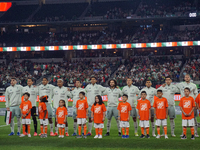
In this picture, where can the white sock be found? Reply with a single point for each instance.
(90, 127)
(66, 129)
(153, 127)
(172, 124)
(51, 127)
(19, 124)
(75, 127)
(118, 126)
(135, 126)
(56, 129)
(108, 125)
(12, 125)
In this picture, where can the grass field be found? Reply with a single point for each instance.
(111, 142)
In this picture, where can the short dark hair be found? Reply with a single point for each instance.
(187, 89)
(14, 78)
(148, 80)
(167, 77)
(114, 81)
(93, 77)
(45, 78)
(78, 81)
(125, 95)
(144, 92)
(83, 93)
(159, 91)
(30, 78)
(129, 78)
(44, 98)
(27, 94)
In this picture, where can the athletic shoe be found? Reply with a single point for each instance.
(166, 137)
(18, 134)
(74, 134)
(96, 136)
(119, 133)
(173, 135)
(22, 135)
(88, 134)
(147, 136)
(127, 136)
(85, 136)
(192, 137)
(62, 136)
(55, 134)
(196, 135)
(35, 134)
(162, 135)
(59, 136)
(107, 134)
(123, 136)
(100, 137)
(42, 136)
(158, 136)
(29, 135)
(12, 133)
(136, 134)
(25, 133)
(45, 135)
(154, 135)
(183, 137)
(82, 134)
(78, 136)
(66, 134)
(52, 134)
(142, 136)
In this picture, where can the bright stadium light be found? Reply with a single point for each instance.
(192, 14)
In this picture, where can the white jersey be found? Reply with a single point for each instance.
(151, 92)
(33, 91)
(92, 91)
(13, 95)
(46, 90)
(132, 93)
(60, 94)
(168, 93)
(113, 96)
(75, 95)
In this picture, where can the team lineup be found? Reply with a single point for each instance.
(89, 107)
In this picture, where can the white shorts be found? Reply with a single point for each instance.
(189, 123)
(44, 122)
(81, 121)
(26, 121)
(160, 122)
(124, 124)
(98, 125)
(144, 123)
(60, 125)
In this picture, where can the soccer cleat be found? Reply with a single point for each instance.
(154, 135)
(55, 134)
(158, 136)
(119, 133)
(29, 135)
(22, 135)
(62, 136)
(82, 134)
(74, 134)
(78, 136)
(142, 136)
(88, 134)
(40, 134)
(12, 133)
(123, 136)
(18, 134)
(127, 136)
(196, 135)
(173, 135)
(52, 134)
(192, 137)
(45, 135)
(85, 136)
(96, 136)
(59, 136)
(136, 134)
(183, 137)
(100, 137)
(147, 136)
(66, 134)
(107, 134)
(166, 137)
(162, 134)
(35, 134)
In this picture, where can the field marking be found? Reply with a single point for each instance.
(5, 125)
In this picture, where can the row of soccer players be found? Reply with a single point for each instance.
(14, 92)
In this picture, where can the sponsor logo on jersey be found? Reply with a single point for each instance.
(97, 110)
(187, 104)
(81, 106)
(25, 108)
(160, 105)
(124, 109)
(61, 114)
(143, 107)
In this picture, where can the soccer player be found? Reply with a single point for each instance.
(144, 111)
(61, 118)
(75, 96)
(197, 100)
(187, 105)
(98, 112)
(13, 96)
(151, 92)
(59, 93)
(161, 113)
(92, 90)
(26, 107)
(82, 114)
(113, 94)
(47, 89)
(169, 90)
(43, 115)
(33, 91)
(193, 93)
(124, 111)
(132, 92)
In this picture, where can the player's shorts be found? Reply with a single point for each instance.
(15, 111)
(89, 112)
(124, 124)
(26, 121)
(33, 111)
(98, 125)
(74, 113)
(144, 123)
(60, 125)
(195, 112)
(187, 122)
(152, 111)
(133, 112)
(171, 112)
(81, 121)
(160, 122)
(50, 111)
(112, 111)
(44, 122)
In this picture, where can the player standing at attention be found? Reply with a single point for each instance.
(113, 94)
(59, 93)
(26, 107)
(13, 96)
(144, 111)
(92, 90)
(124, 111)
(169, 90)
(197, 100)
(132, 92)
(47, 89)
(61, 118)
(33, 91)
(98, 112)
(75, 96)
(151, 92)
(161, 113)
(82, 114)
(43, 116)
(187, 105)
(193, 93)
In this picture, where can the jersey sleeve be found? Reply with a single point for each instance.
(57, 111)
(86, 106)
(197, 99)
(77, 104)
(180, 104)
(104, 108)
(154, 104)
(130, 108)
(21, 105)
(92, 108)
(44, 107)
(120, 93)
(149, 104)
(166, 103)
(7, 98)
(118, 107)
(30, 105)
(66, 113)
(193, 103)
(138, 105)
(195, 90)
(105, 92)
